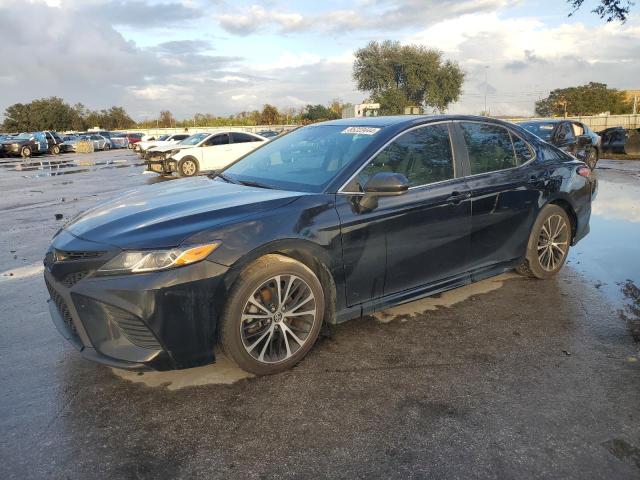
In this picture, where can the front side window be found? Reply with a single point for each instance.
(489, 147)
(423, 156)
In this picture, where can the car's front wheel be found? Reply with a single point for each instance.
(25, 152)
(548, 244)
(273, 315)
(55, 150)
(188, 167)
(107, 146)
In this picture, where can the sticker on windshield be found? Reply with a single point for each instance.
(361, 130)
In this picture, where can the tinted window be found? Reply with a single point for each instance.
(542, 130)
(565, 132)
(243, 138)
(180, 137)
(422, 155)
(222, 139)
(523, 151)
(489, 147)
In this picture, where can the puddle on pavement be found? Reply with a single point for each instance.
(224, 371)
(447, 299)
(609, 256)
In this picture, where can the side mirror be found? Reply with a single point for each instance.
(384, 184)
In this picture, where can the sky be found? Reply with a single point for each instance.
(226, 56)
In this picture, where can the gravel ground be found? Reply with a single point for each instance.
(509, 378)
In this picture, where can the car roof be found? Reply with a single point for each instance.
(406, 120)
(551, 120)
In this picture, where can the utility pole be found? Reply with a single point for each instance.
(486, 88)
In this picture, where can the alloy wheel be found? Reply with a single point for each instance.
(278, 318)
(188, 168)
(553, 242)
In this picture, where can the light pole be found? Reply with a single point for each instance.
(486, 88)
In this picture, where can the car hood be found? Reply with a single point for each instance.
(169, 147)
(165, 214)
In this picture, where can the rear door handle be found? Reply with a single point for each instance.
(457, 197)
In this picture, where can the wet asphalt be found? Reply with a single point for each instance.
(521, 379)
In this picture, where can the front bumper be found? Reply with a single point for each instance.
(162, 166)
(161, 320)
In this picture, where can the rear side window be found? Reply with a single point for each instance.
(523, 151)
(243, 138)
(489, 147)
(180, 137)
(423, 156)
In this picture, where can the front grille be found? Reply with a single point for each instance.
(132, 327)
(62, 256)
(73, 278)
(61, 305)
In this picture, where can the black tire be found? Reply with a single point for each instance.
(55, 150)
(250, 280)
(25, 151)
(188, 167)
(107, 146)
(548, 262)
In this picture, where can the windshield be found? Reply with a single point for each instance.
(305, 160)
(194, 139)
(541, 129)
(162, 137)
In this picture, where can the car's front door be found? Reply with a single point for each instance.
(505, 186)
(420, 238)
(215, 152)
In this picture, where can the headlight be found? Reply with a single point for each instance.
(152, 260)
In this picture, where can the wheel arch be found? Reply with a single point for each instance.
(568, 208)
(306, 252)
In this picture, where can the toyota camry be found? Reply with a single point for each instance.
(333, 221)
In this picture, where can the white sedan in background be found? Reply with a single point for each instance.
(204, 152)
(142, 147)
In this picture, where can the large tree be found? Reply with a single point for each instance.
(609, 10)
(397, 76)
(590, 99)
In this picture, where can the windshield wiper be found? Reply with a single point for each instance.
(222, 176)
(249, 183)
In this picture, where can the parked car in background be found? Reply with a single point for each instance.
(142, 147)
(99, 142)
(54, 142)
(133, 138)
(71, 142)
(268, 133)
(570, 136)
(153, 136)
(119, 140)
(330, 222)
(213, 152)
(25, 145)
(158, 152)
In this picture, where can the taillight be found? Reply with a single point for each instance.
(583, 171)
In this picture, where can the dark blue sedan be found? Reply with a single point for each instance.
(330, 222)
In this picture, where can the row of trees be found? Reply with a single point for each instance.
(54, 114)
(590, 99)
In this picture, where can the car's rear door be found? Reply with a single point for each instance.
(505, 184)
(243, 143)
(416, 239)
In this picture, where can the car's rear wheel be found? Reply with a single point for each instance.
(107, 146)
(592, 158)
(55, 150)
(25, 152)
(273, 315)
(188, 167)
(548, 244)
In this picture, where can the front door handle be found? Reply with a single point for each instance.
(457, 197)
